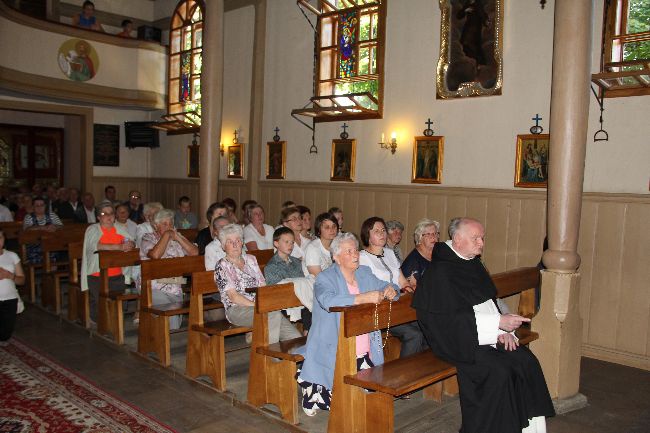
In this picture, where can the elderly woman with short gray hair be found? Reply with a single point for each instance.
(426, 234)
(394, 231)
(166, 243)
(344, 283)
(237, 272)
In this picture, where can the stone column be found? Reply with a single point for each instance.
(257, 142)
(212, 104)
(559, 321)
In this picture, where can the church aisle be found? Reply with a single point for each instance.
(618, 396)
(171, 399)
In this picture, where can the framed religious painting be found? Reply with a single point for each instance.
(276, 159)
(343, 160)
(427, 159)
(236, 161)
(193, 161)
(471, 49)
(531, 161)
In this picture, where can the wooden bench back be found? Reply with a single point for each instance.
(114, 259)
(522, 281)
(166, 268)
(75, 255)
(262, 256)
(202, 284)
(276, 297)
(360, 319)
(11, 229)
(189, 234)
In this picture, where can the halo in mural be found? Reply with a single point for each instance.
(78, 60)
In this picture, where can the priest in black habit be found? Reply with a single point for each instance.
(502, 387)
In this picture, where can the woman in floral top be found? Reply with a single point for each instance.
(233, 275)
(164, 243)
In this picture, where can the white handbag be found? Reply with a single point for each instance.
(20, 307)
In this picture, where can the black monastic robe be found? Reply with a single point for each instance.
(499, 390)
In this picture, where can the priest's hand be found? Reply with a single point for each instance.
(510, 322)
(509, 342)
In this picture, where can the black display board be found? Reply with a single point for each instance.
(106, 145)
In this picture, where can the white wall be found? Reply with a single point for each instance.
(480, 133)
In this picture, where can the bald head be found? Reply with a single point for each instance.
(467, 236)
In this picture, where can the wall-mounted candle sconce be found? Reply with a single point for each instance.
(392, 145)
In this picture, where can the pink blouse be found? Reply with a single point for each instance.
(363, 341)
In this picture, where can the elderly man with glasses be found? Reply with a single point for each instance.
(136, 209)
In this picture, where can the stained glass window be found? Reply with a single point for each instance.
(185, 58)
(350, 49)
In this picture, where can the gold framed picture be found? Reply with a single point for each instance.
(531, 161)
(471, 49)
(192, 161)
(236, 161)
(427, 159)
(276, 159)
(343, 160)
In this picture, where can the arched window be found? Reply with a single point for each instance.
(186, 61)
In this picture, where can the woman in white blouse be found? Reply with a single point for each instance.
(384, 265)
(257, 235)
(317, 254)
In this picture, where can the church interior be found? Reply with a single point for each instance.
(527, 117)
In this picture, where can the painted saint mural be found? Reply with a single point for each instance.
(78, 60)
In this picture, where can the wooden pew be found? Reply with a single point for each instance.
(50, 278)
(262, 256)
(11, 229)
(272, 372)
(78, 302)
(25, 238)
(355, 409)
(189, 234)
(153, 334)
(206, 353)
(110, 313)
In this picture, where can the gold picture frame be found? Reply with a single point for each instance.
(531, 161)
(471, 49)
(236, 161)
(343, 160)
(276, 159)
(193, 161)
(427, 159)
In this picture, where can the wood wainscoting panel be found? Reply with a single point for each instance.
(632, 327)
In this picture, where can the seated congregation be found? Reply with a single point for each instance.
(332, 321)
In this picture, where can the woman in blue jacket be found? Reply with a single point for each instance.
(345, 283)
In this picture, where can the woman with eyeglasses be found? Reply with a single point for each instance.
(290, 217)
(427, 233)
(104, 235)
(239, 271)
(384, 265)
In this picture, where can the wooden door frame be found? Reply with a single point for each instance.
(85, 133)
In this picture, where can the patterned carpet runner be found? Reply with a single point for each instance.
(38, 395)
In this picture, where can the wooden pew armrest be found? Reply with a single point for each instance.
(221, 327)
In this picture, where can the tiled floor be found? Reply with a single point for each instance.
(619, 397)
